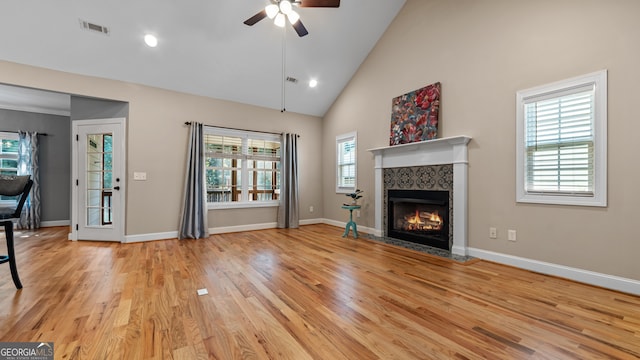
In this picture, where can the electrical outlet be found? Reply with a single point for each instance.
(140, 176)
(357, 213)
(493, 233)
(310, 208)
(511, 235)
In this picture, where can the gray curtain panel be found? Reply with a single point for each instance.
(28, 165)
(288, 212)
(193, 223)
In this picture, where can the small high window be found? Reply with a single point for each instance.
(346, 167)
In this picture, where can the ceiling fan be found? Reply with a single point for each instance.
(279, 9)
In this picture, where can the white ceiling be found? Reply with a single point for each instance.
(204, 48)
(33, 100)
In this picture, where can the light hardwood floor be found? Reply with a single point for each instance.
(299, 294)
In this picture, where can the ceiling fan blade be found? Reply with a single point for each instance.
(320, 3)
(300, 29)
(255, 18)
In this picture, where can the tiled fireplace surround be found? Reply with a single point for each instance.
(440, 164)
(430, 177)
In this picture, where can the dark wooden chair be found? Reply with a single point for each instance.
(13, 186)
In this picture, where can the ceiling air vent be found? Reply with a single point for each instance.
(94, 27)
(292, 80)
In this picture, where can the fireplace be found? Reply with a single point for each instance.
(449, 151)
(419, 216)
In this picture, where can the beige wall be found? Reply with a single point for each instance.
(483, 51)
(157, 144)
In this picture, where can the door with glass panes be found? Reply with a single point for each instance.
(99, 180)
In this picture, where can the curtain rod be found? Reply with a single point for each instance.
(230, 128)
(17, 132)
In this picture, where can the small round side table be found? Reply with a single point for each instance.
(351, 224)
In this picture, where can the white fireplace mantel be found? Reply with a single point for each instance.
(450, 150)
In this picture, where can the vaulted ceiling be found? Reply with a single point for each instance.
(204, 47)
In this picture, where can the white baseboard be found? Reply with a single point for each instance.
(334, 223)
(585, 276)
(216, 230)
(312, 221)
(55, 223)
(150, 237)
(238, 228)
(459, 250)
(251, 227)
(342, 224)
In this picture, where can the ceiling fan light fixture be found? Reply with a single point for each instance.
(293, 17)
(285, 7)
(271, 10)
(279, 21)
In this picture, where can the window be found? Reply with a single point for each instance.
(8, 161)
(242, 168)
(562, 142)
(99, 175)
(346, 166)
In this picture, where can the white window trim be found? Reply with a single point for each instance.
(599, 198)
(341, 138)
(245, 134)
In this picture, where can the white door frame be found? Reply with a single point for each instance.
(73, 235)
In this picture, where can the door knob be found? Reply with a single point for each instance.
(116, 188)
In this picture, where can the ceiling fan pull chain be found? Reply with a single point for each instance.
(284, 61)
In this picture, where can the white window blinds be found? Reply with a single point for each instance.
(560, 142)
(346, 162)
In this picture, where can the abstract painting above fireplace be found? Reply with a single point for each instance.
(414, 115)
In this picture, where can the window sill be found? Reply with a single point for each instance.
(242, 205)
(597, 201)
(344, 190)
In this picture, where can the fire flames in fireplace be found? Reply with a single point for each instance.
(421, 221)
(419, 216)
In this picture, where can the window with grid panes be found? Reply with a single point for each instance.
(242, 167)
(562, 142)
(8, 160)
(346, 166)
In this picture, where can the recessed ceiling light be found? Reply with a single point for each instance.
(313, 83)
(150, 40)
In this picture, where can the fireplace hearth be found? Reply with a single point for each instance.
(419, 216)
